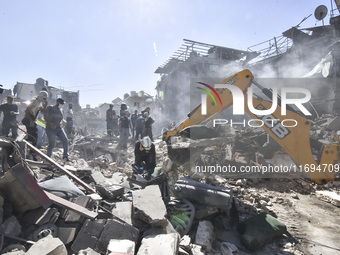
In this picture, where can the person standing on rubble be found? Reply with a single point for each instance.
(124, 128)
(123, 108)
(147, 131)
(53, 117)
(69, 120)
(145, 157)
(10, 110)
(37, 105)
(139, 126)
(41, 127)
(134, 117)
(110, 113)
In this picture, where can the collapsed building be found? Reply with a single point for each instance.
(298, 52)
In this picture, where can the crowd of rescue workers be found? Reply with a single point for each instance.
(44, 123)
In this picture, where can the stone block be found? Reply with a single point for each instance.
(149, 207)
(107, 188)
(121, 246)
(205, 235)
(164, 244)
(123, 210)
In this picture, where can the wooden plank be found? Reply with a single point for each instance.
(68, 173)
(72, 206)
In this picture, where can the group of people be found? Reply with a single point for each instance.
(140, 124)
(41, 122)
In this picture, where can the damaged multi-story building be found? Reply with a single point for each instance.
(299, 52)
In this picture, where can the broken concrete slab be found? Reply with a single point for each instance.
(121, 246)
(149, 207)
(106, 187)
(205, 235)
(98, 233)
(48, 246)
(123, 210)
(22, 191)
(164, 244)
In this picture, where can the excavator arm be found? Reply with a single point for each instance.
(293, 136)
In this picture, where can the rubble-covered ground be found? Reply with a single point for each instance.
(94, 204)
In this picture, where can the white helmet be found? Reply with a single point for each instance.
(146, 142)
(43, 94)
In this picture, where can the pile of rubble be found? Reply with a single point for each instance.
(95, 204)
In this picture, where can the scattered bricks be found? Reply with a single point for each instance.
(11, 227)
(123, 210)
(107, 188)
(72, 216)
(121, 246)
(98, 233)
(164, 244)
(50, 216)
(205, 235)
(48, 246)
(149, 206)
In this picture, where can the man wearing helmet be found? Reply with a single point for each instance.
(39, 103)
(145, 156)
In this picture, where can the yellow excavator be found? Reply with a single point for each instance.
(295, 139)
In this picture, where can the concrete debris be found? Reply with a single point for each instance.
(163, 244)
(121, 246)
(205, 235)
(48, 246)
(94, 203)
(149, 207)
(329, 196)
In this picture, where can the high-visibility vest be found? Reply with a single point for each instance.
(40, 123)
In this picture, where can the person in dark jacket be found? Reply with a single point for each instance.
(145, 157)
(9, 122)
(53, 117)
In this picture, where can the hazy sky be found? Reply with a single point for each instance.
(106, 48)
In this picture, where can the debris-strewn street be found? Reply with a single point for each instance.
(237, 153)
(96, 204)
